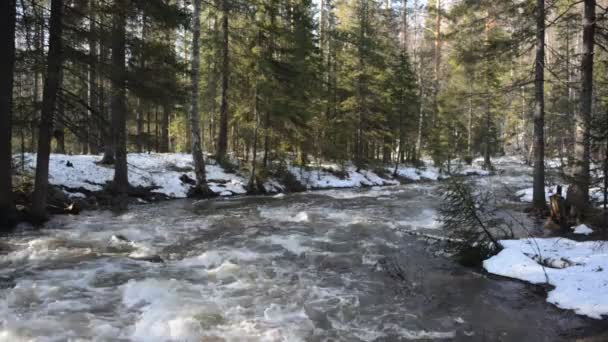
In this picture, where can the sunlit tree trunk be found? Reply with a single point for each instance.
(222, 144)
(578, 193)
(195, 124)
(538, 198)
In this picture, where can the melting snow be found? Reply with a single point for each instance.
(577, 270)
(583, 229)
(165, 170)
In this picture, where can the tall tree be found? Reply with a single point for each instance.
(195, 124)
(49, 99)
(222, 144)
(539, 200)
(118, 106)
(7, 64)
(578, 193)
(94, 113)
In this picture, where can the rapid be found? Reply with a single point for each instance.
(333, 265)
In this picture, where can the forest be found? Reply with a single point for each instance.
(254, 83)
(493, 115)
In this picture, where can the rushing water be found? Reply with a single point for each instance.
(322, 266)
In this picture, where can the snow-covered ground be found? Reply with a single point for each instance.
(159, 170)
(577, 270)
(163, 171)
(525, 195)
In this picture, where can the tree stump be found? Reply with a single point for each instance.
(558, 212)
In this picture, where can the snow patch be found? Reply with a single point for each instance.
(583, 229)
(577, 270)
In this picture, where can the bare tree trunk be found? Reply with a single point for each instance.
(252, 181)
(470, 122)
(59, 130)
(222, 144)
(437, 62)
(93, 88)
(49, 98)
(106, 116)
(578, 194)
(149, 130)
(7, 67)
(120, 184)
(164, 134)
(538, 198)
(141, 103)
(487, 157)
(195, 123)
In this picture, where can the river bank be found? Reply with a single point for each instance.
(79, 181)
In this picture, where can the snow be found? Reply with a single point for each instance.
(412, 173)
(159, 170)
(577, 270)
(79, 174)
(583, 229)
(526, 195)
(326, 178)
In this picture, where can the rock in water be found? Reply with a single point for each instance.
(157, 259)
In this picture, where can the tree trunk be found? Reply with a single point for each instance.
(437, 62)
(252, 181)
(487, 158)
(222, 144)
(538, 198)
(105, 116)
(195, 123)
(59, 131)
(7, 67)
(49, 98)
(141, 103)
(120, 184)
(578, 194)
(93, 88)
(164, 134)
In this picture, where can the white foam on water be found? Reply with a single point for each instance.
(426, 219)
(420, 334)
(287, 214)
(293, 243)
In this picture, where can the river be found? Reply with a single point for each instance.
(335, 265)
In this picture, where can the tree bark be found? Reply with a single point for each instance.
(49, 99)
(105, 115)
(222, 144)
(141, 103)
(164, 134)
(195, 123)
(538, 197)
(94, 111)
(578, 194)
(120, 184)
(7, 67)
(59, 130)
